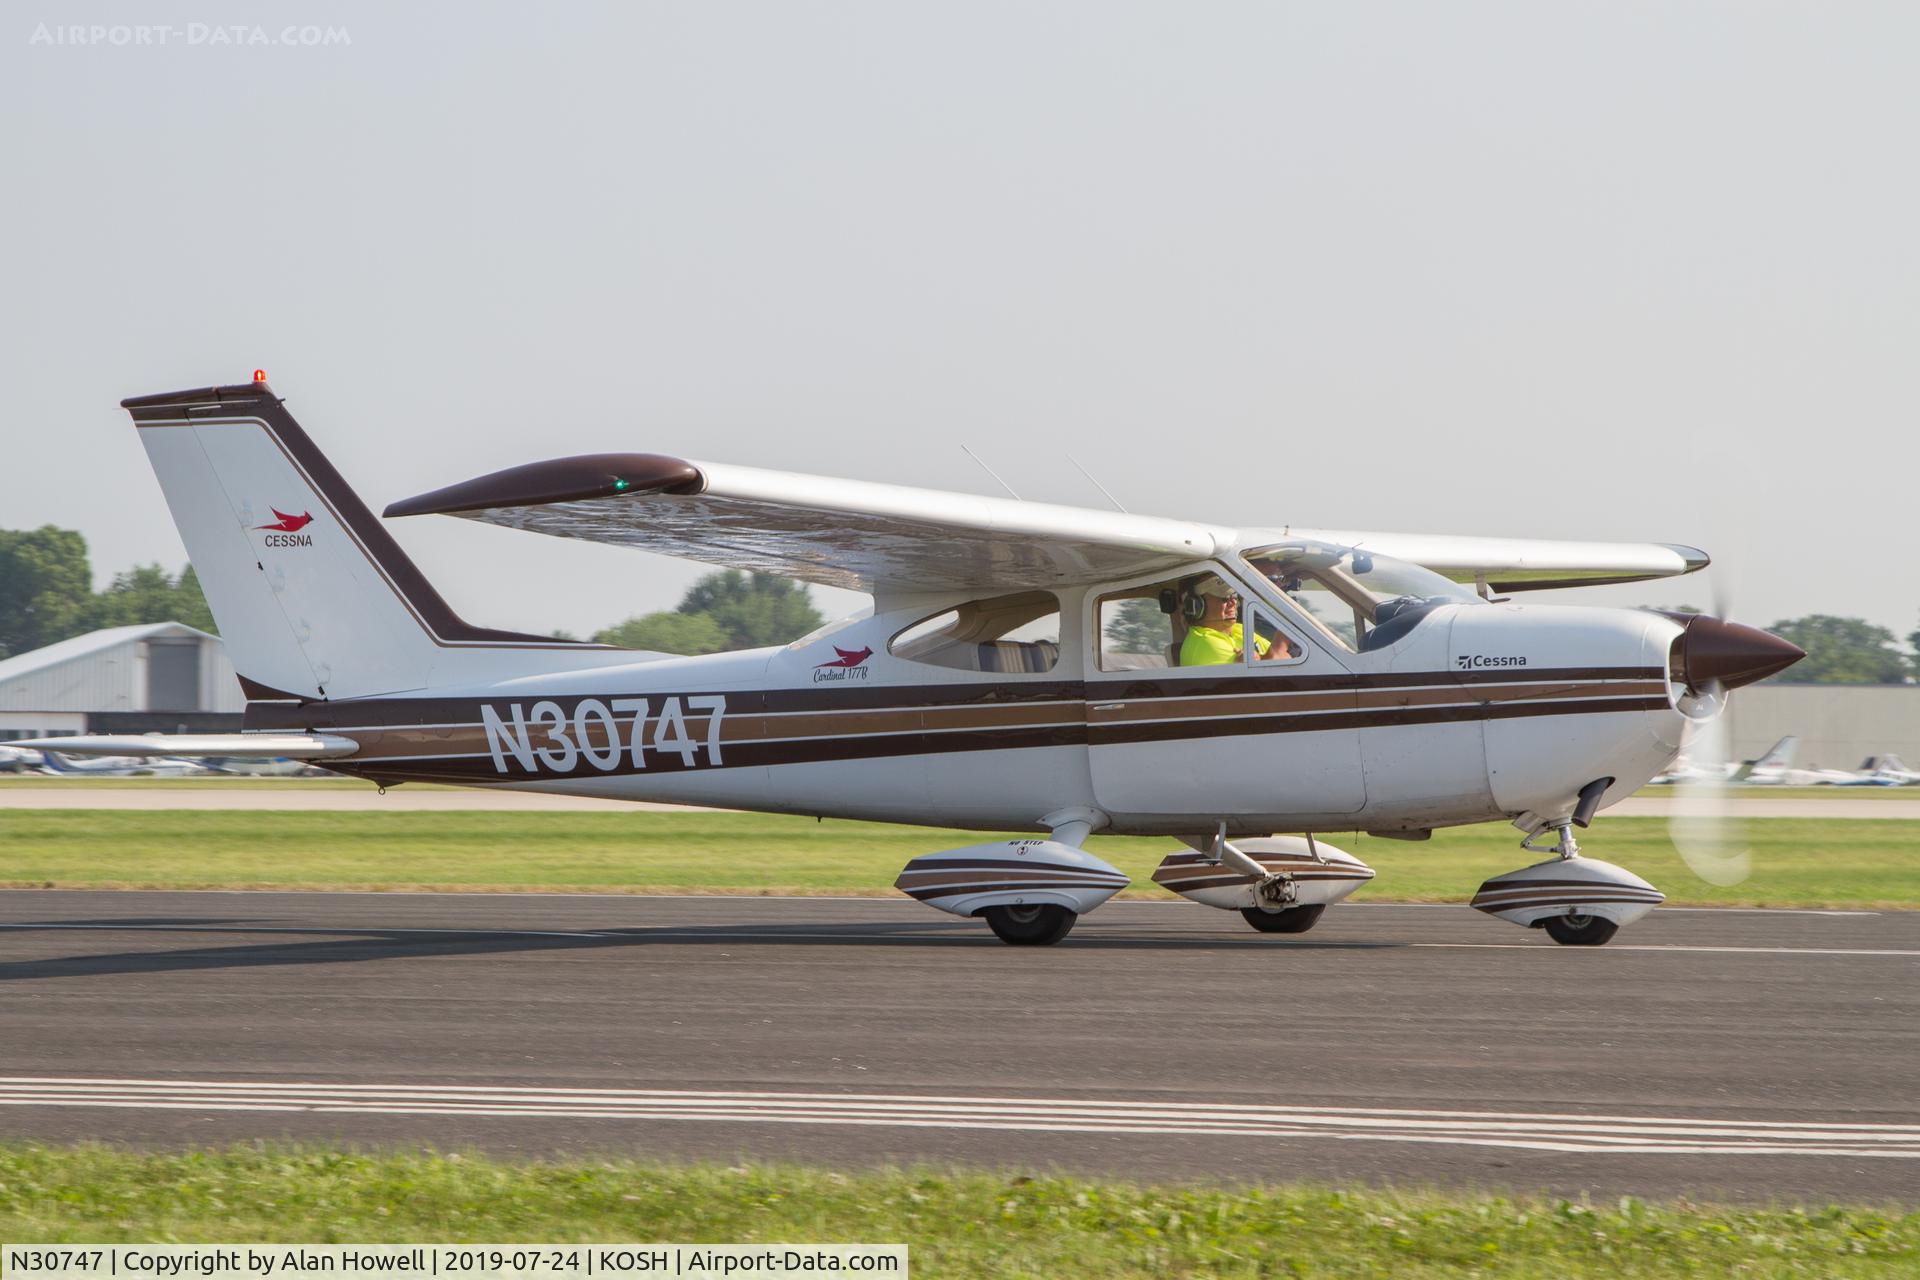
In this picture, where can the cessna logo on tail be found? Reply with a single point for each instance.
(287, 523)
(285, 532)
(845, 667)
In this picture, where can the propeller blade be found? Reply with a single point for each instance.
(1709, 837)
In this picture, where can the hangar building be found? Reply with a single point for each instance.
(159, 677)
(1839, 725)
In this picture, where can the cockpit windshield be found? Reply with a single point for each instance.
(1363, 600)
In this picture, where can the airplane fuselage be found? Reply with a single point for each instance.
(1483, 712)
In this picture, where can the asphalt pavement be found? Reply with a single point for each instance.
(1753, 1055)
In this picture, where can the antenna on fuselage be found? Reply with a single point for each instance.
(1096, 484)
(990, 471)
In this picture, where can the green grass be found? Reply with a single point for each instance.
(957, 1224)
(1797, 862)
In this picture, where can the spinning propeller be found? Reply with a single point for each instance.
(1715, 656)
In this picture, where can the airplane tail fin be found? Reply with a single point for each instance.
(312, 595)
(1780, 754)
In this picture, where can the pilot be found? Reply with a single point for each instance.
(1215, 637)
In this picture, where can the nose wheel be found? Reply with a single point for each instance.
(1039, 925)
(1579, 901)
(1579, 930)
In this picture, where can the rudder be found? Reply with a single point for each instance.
(312, 595)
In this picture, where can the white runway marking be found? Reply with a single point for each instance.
(1551, 1131)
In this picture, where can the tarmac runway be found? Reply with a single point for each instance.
(1753, 1055)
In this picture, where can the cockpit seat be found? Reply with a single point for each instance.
(1019, 657)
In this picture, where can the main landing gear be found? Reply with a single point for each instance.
(1278, 884)
(1030, 892)
(1285, 920)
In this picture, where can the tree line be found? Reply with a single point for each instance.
(47, 595)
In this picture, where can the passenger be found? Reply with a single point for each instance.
(1216, 638)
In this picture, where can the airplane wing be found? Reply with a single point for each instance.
(840, 533)
(880, 537)
(1526, 564)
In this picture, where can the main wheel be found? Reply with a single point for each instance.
(1580, 931)
(1292, 920)
(1040, 925)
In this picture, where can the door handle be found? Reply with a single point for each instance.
(1109, 706)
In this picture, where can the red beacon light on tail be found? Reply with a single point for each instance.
(259, 375)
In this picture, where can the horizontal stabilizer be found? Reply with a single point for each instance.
(239, 746)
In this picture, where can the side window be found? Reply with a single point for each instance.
(1136, 631)
(1191, 621)
(1334, 614)
(1272, 642)
(1006, 634)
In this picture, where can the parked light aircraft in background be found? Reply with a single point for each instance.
(1684, 770)
(1022, 670)
(1883, 771)
(121, 766)
(19, 760)
(1776, 769)
(1892, 767)
(276, 767)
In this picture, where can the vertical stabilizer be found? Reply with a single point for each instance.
(312, 595)
(1780, 754)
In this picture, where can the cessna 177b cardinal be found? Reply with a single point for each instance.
(1025, 668)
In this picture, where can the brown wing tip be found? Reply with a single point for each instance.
(591, 475)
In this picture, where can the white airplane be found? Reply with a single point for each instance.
(19, 760)
(275, 767)
(1026, 667)
(1776, 769)
(1684, 770)
(1882, 771)
(132, 764)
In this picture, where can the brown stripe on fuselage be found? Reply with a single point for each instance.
(381, 712)
(412, 737)
(1176, 708)
(1108, 688)
(1104, 735)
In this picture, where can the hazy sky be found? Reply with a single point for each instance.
(1635, 271)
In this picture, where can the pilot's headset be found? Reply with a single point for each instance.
(1193, 605)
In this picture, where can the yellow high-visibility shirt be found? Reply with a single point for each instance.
(1205, 647)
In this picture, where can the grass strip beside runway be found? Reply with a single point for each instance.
(225, 782)
(1797, 862)
(958, 1224)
